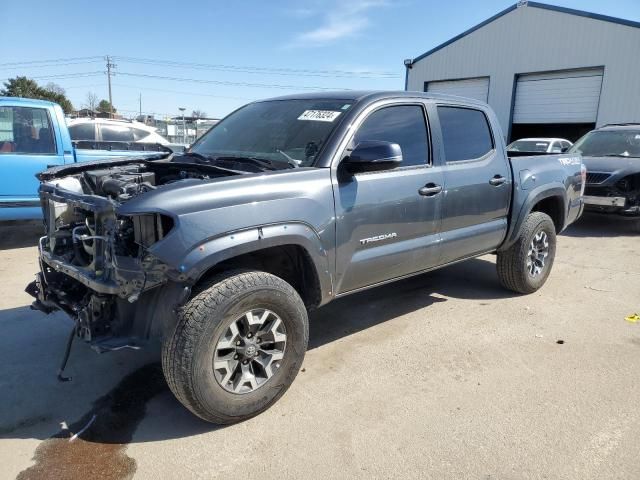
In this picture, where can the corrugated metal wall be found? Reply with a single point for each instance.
(529, 40)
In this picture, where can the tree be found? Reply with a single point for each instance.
(28, 88)
(55, 88)
(105, 107)
(91, 101)
(199, 114)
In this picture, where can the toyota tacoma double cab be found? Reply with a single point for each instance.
(283, 206)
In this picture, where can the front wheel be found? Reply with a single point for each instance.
(237, 346)
(525, 266)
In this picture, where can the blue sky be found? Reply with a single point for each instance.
(367, 40)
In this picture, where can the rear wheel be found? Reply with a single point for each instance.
(237, 346)
(525, 266)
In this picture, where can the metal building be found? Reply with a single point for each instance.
(545, 70)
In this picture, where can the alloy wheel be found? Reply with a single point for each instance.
(250, 351)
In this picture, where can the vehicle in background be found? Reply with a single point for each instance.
(612, 157)
(122, 131)
(33, 138)
(539, 145)
(284, 206)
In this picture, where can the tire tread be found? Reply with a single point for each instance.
(179, 346)
(511, 272)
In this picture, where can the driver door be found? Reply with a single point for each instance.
(385, 228)
(27, 146)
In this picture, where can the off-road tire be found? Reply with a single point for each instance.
(187, 351)
(511, 263)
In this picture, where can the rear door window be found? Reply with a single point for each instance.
(465, 133)
(401, 124)
(83, 131)
(26, 130)
(116, 133)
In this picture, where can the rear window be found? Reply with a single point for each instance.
(139, 134)
(465, 133)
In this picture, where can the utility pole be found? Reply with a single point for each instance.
(109, 67)
(184, 126)
(141, 105)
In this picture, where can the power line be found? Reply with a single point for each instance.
(206, 66)
(48, 65)
(235, 84)
(68, 75)
(261, 70)
(84, 86)
(54, 61)
(196, 94)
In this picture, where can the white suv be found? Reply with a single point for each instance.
(542, 145)
(106, 130)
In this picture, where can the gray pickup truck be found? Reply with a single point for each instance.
(283, 206)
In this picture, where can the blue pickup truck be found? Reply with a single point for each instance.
(33, 138)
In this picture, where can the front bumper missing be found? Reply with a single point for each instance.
(605, 201)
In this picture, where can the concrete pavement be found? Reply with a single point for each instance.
(445, 375)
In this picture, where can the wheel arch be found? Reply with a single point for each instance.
(550, 200)
(292, 251)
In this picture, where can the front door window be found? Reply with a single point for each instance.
(25, 130)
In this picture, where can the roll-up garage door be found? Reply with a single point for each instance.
(558, 97)
(477, 88)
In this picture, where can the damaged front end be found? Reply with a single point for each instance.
(606, 193)
(95, 263)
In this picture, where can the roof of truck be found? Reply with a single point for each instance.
(27, 101)
(371, 95)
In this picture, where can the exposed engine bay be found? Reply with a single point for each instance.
(95, 263)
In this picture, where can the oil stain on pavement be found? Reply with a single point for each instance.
(99, 452)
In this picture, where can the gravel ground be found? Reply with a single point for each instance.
(442, 376)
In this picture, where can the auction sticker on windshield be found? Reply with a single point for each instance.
(319, 115)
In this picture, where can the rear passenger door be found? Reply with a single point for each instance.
(477, 183)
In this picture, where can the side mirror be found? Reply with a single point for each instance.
(565, 149)
(372, 155)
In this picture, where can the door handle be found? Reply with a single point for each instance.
(430, 189)
(497, 180)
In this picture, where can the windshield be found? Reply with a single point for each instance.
(286, 133)
(614, 143)
(528, 146)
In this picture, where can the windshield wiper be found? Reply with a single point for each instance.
(258, 162)
(619, 155)
(209, 162)
(290, 160)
